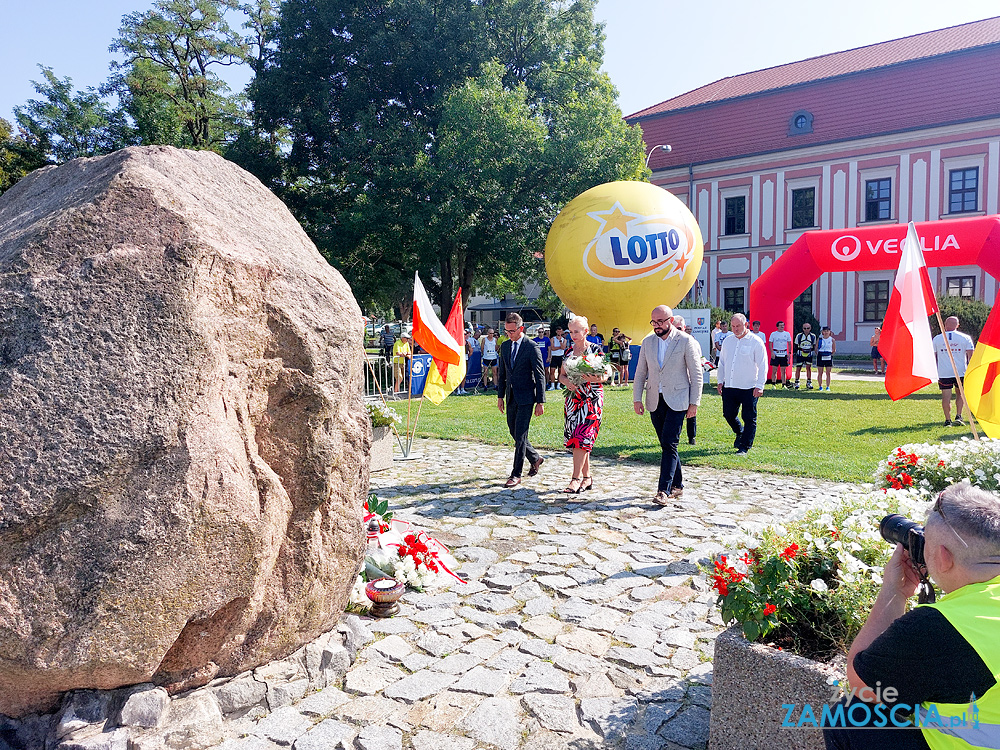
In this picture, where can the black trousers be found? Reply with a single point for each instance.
(692, 427)
(733, 400)
(667, 424)
(518, 422)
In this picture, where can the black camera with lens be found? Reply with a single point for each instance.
(898, 529)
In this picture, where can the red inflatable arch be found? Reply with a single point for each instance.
(959, 242)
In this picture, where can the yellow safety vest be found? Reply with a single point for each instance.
(974, 611)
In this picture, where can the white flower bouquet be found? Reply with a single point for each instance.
(579, 370)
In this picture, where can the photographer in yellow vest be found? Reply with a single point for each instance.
(941, 660)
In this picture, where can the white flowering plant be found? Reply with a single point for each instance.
(580, 370)
(809, 584)
(381, 414)
(930, 467)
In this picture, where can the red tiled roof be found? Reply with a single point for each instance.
(881, 55)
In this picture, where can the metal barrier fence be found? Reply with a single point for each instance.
(378, 375)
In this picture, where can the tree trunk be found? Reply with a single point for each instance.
(444, 290)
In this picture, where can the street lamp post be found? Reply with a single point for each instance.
(665, 147)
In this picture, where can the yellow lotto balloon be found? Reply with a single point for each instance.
(620, 249)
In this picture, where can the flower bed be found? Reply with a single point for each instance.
(808, 585)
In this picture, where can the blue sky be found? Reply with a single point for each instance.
(655, 49)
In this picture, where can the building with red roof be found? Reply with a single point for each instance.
(905, 130)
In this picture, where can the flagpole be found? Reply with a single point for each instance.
(958, 380)
(409, 404)
(415, 421)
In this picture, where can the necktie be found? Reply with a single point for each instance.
(513, 352)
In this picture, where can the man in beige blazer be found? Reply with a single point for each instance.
(669, 369)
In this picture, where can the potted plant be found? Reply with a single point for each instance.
(383, 419)
(798, 594)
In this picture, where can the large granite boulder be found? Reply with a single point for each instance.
(183, 443)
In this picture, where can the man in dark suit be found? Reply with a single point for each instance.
(522, 383)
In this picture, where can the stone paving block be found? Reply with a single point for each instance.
(484, 648)
(596, 685)
(379, 738)
(436, 615)
(584, 640)
(282, 726)
(541, 605)
(541, 678)
(584, 575)
(428, 740)
(497, 721)
(701, 674)
(493, 602)
(609, 716)
(511, 660)
(327, 735)
(476, 554)
(678, 637)
(370, 709)
(527, 591)
(556, 582)
(555, 712)
(575, 662)
(371, 677)
(441, 712)
(639, 637)
(391, 647)
(507, 582)
(541, 649)
(528, 557)
(575, 609)
(603, 619)
(437, 644)
(323, 703)
(419, 685)
(443, 599)
(393, 626)
(543, 627)
(415, 662)
(685, 659)
(456, 664)
(688, 728)
(483, 681)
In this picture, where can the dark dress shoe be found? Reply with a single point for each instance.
(535, 467)
(513, 482)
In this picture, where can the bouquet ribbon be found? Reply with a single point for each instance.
(395, 537)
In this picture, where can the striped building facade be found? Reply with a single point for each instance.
(905, 130)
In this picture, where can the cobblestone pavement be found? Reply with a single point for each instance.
(585, 623)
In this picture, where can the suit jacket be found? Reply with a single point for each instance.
(524, 380)
(680, 378)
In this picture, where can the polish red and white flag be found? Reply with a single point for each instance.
(428, 330)
(906, 333)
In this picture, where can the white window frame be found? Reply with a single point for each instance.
(879, 173)
(800, 183)
(953, 163)
(734, 240)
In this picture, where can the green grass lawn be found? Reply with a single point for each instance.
(840, 435)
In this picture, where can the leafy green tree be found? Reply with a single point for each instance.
(438, 135)
(971, 314)
(17, 158)
(66, 124)
(167, 79)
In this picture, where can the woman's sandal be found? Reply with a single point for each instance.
(590, 483)
(573, 490)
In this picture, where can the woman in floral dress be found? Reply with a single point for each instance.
(584, 403)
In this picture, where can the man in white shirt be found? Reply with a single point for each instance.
(961, 346)
(759, 333)
(781, 342)
(741, 374)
